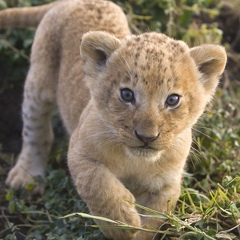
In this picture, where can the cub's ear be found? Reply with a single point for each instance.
(96, 48)
(211, 61)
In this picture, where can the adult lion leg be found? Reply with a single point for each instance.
(39, 100)
(37, 134)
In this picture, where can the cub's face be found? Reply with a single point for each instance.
(149, 89)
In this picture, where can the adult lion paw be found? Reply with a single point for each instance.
(26, 175)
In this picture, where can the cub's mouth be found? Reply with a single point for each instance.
(144, 151)
(146, 147)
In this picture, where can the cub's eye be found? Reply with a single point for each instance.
(172, 100)
(127, 95)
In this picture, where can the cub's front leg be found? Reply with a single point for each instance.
(103, 193)
(162, 201)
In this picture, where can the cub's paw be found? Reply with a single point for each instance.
(130, 234)
(146, 236)
(123, 213)
(149, 223)
(27, 175)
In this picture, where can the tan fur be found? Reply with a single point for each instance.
(119, 151)
(23, 17)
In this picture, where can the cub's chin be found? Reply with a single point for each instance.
(146, 154)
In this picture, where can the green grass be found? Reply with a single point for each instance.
(209, 206)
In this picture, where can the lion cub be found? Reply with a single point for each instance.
(129, 103)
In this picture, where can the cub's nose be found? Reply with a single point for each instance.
(146, 139)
